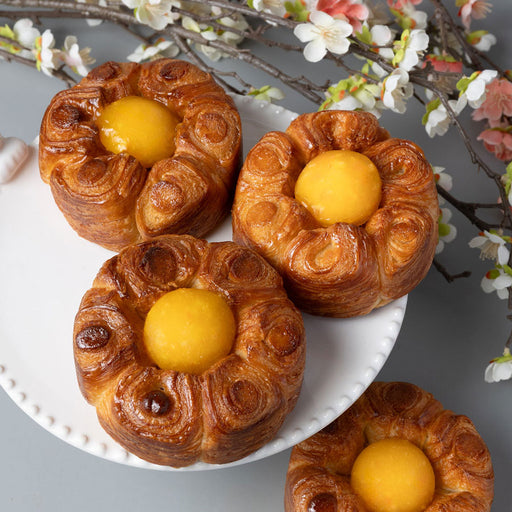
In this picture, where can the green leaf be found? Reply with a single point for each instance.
(7, 32)
(475, 36)
(507, 269)
(297, 10)
(493, 273)
(444, 229)
(406, 22)
(463, 83)
(365, 35)
(430, 107)
(399, 57)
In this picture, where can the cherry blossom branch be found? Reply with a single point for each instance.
(185, 48)
(476, 159)
(60, 8)
(468, 49)
(449, 277)
(247, 11)
(57, 73)
(469, 210)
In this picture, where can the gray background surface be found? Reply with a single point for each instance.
(449, 333)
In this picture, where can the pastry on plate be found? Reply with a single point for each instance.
(395, 450)
(190, 351)
(139, 150)
(345, 213)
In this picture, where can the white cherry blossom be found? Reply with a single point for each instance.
(499, 368)
(414, 18)
(484, 42)
(267, 93)
(209, 33)
(354, 93)
(90, 21)
(492, 246)
(446, 232)
(409, 48)
(323, 34)
(472, 89)
(76, 59)
(25, 32)
(361, 100)
(396, 89)
(161, 48)
(443, 179)
(46, 56)
(155, 13)
(275, 7)
(235, 22)
(382, 35)
(437, 120)
(497, 280)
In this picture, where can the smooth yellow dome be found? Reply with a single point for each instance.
(188, 330)
(340, 186)
(139, 126)
(393, 475)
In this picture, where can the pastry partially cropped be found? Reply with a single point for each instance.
(190, 351)
(346, 214)
(395, 450)
(139, 150)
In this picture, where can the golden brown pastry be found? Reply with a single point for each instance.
(112, 199)
(319, 473)
(341, 270)
(172, 417)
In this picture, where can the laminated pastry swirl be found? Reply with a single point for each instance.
(175, 418)
(111, 199)
(342, 270)
(318, 477)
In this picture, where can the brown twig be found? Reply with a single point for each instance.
(185, 48)
(57, 73)
(469, 210)
(449, 277)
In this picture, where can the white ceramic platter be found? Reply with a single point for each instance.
(45, 268)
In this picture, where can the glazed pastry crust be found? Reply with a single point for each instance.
(111, 199)
(173, 418)
(341, 270)
(319, 469)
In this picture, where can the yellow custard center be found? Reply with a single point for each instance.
(188, 330)
(340, 186)
(141, 127)
(393, 475)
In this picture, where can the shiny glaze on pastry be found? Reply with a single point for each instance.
(341, 270)
(175, 418)
(318, 477)
(111, 199)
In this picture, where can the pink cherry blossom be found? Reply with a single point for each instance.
(400, 4)
(354, 13)
(444, 65)
(499, 142)
(476, 9)
(498, 102)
